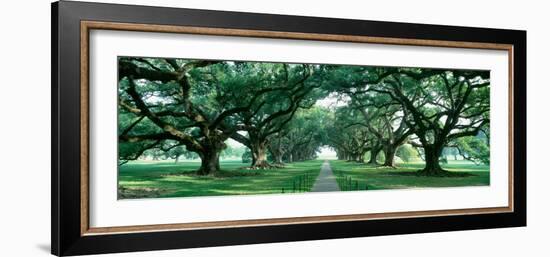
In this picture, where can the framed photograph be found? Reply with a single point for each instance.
(178, 128)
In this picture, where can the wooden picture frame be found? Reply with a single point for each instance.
(71, 25)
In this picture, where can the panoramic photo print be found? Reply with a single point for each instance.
(191, 127)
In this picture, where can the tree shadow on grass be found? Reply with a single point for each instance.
(168, 181)
(223, 183)
(454, 174)
(219, 174)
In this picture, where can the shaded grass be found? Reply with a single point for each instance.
(147, 179)
(351, 175)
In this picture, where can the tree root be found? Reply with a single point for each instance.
(442, 173)
(266, 166)
(278, 165)
(374, 165)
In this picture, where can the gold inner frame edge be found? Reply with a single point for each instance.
(86, 26)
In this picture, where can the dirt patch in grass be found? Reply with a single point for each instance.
(141, 192)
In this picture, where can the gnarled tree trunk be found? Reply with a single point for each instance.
(361, 158)
(373, 154)
(210, 162)
(279, 159)
(259, 155)
(277, 152)
(389, 154)
(260, 158)
(212, 146)
(431, 155)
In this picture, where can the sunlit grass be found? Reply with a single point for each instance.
(404, 176)
(148, 179)
(145, 179)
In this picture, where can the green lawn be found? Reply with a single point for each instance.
(355, 176)
(148, 179)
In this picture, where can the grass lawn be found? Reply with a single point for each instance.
(404, 176)
(148, 179)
